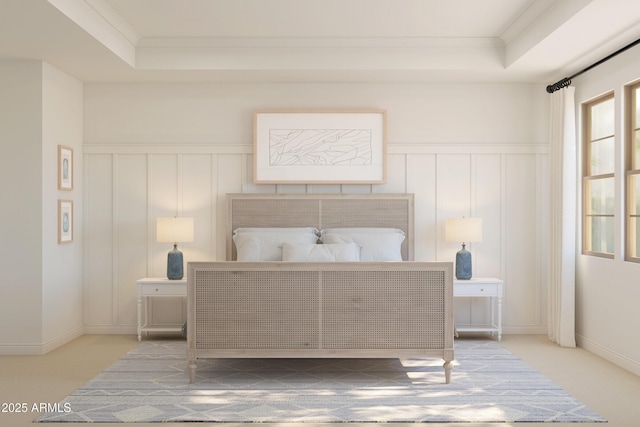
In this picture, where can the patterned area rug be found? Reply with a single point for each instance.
(489, 384)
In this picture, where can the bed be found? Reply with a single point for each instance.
(363, 308)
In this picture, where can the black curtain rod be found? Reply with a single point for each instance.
(567, 80)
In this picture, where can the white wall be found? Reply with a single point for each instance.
(61, 263)
(607, 290)
(164, 149)
(40, 290)
(21, 225)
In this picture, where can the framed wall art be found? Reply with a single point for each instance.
(323, 147)
(65, 221)
(65, 168)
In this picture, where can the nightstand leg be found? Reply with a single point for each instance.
(499, 318)
(139, 318)
(492, 310)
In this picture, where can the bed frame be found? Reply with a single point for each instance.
(345, 309)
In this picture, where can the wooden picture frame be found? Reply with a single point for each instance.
(65, 221)
(320, 147)
(65, 168)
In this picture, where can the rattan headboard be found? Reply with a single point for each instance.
(321, 211)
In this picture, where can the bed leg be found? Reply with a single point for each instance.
(447, 371)
(192, 371)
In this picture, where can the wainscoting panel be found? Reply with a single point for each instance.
(127, 189)
(98, 234)
(487, 202)
(396, 175)
(198, 191)
(522, 299)
(421, 181)
(229, 180)
(131, 239)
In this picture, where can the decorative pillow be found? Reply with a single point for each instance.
(377, 244)
(265, 244)
(320, 253)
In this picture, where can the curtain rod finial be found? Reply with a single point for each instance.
(559, 85)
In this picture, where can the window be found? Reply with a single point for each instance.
(599, 178)
(633, 173)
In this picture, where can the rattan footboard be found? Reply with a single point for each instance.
(278, 309)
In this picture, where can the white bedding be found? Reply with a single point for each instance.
(265, 244)
(341, 252)
(300, 244)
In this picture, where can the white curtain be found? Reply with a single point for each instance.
(563, 219)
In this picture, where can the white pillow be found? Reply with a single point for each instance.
(377, 244)
(320, 253)
(265, 244)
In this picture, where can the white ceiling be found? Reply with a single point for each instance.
(317, 40)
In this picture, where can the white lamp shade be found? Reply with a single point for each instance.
(463, 230)
(174, 230)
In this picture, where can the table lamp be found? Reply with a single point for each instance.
(174, 230)
(463, 230)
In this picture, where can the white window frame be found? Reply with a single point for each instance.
(588, 178)
(632, 171)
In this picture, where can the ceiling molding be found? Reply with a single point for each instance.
(320, 42)
(547, 22)
(304, 58)
(530, 41)
(526, 19)
(115, 20)
(99, 20)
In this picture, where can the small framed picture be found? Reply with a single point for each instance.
(65, 168)
(65, 221)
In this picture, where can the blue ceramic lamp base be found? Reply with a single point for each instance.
(463, 264)
(175, 264)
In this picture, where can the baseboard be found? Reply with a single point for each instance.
(110, 329)
(62, 340)
(133, 329)
(618, 359)
(21, 350)
(38, 349)
(524, 330)
(517, 330)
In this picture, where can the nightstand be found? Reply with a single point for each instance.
(482, 288)
(155, 288)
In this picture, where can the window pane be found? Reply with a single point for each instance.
(602, 234)
(602, 156)
(636, 158)
(634, 235)
(634, 192)
(637, 96)
(602, 123)
(601, 194)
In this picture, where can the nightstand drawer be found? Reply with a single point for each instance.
(476, 290)
(151, 289)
